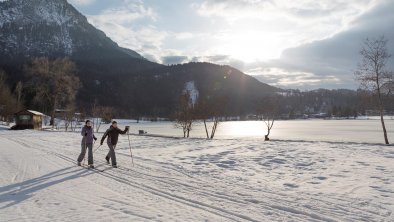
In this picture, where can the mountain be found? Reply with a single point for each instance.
(111, 75)
(160, 93)
(34, 28)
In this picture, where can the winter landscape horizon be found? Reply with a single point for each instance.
(197, 110)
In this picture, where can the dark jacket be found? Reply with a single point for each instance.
(88, 131)
(113, 134)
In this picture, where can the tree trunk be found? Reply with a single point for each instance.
(386, 140)
(266, 138)
(53, 113)
(381, 109)
(215, 124)
(189, 126)
(206, 129)
(98, 124)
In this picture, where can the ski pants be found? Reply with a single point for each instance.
(111, 154)
(84, 147)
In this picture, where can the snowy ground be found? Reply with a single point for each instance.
(194, 180)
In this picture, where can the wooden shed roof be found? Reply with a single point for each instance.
(32, 112)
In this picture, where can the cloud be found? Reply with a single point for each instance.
(169, 60)
(329, 61)
(293, 79)
(184, 35)
(307, 11)
(121, 25)
(81, 2)
(338, 55)
(130, 11)
(146, 40)
(294, 44)
(284, 40)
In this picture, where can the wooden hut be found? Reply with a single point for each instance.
(28, 119)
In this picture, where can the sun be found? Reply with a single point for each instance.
(252, 46)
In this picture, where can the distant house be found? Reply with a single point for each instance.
(28, 119)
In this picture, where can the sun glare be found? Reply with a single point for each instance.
(252, 46)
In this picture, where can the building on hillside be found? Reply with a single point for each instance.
(28, 119)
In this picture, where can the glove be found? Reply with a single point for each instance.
(101, 143)
(127, 128)
(86, 134)
(95, 138)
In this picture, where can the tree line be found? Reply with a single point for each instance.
(51, 87)
(210, 111)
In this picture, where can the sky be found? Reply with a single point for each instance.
(305, 44)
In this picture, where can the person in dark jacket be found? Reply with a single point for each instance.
(87, 143)
(112, 133)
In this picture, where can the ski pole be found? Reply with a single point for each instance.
(97, 149)
(131, 153)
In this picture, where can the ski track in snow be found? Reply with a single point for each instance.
(194, 180)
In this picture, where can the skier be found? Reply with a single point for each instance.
(113, 134)
(87, 143)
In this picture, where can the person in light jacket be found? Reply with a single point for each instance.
(87, 143)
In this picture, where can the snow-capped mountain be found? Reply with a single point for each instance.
(31, 28)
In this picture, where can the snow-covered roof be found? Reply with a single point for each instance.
(36, 113)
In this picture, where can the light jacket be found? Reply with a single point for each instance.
(88, 131)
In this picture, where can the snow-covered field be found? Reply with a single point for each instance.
(194, 180)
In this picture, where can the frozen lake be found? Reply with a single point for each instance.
(368, 131)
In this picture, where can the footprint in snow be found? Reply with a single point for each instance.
(382, 189)
(314, 182)
(226, 164)
(362, 163)
(290, 185)
(381, 168)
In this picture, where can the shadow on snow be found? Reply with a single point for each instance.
(19, 192)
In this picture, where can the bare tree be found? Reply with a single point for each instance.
(8, 103)
(268, 112)
(69, 117)
(209, 108)
(54, 82)
(184, 115)
(18, 92)
(101, 114)
(373, 74)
